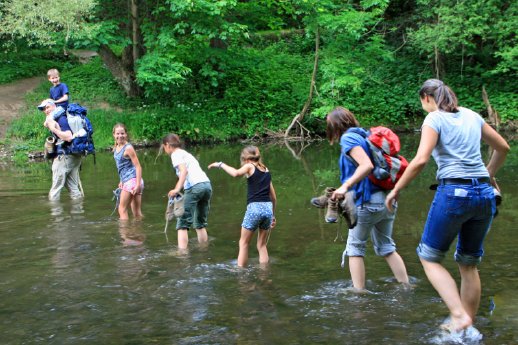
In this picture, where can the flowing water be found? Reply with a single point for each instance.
(72, 274)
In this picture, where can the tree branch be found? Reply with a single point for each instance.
(300, 116)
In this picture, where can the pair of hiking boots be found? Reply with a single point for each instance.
(345, 207)
(175, 207)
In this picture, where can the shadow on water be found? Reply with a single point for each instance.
(71, 273)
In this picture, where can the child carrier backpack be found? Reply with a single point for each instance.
(82, 129)
(389, 165)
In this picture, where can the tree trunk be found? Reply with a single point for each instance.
(218, 43)
(492, 114)
(297, 120)
(136, 35)
(121, 69)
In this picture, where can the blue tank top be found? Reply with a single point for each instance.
(259, 186)
(125, 166)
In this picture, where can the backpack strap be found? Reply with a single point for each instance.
(360, 134)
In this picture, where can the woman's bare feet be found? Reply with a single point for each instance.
(456, 324)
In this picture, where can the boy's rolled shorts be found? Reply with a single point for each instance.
(258, 215)
(197, 206)
(129, 185)
(463, 211)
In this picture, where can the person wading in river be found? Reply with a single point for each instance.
(374, 220)
(464, 203)
(197, 191)
(65, 166)
(261, 201)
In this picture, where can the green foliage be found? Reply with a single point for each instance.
(160, 71)
(24, 62)
(92, 83)
(220, 70)
(44, 22)
(483, 30)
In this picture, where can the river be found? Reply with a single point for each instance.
(72, 274)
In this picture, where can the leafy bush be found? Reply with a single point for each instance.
(26, 62)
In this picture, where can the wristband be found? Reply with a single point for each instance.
(219, 164)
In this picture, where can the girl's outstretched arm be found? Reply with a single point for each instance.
(132, 154)
(247, 169)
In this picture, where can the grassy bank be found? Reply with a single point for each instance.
(254, 100)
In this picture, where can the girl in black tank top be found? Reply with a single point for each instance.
(261, 201)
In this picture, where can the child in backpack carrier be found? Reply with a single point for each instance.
(59, 91)
(260, 202)
(130, 174)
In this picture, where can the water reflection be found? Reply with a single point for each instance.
(71, 273)
(66, 223)
(131, 232)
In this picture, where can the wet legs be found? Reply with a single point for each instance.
(397, 266)
(445, 285)
(244, 244)
(357, 269)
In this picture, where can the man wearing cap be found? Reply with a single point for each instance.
(65, 167)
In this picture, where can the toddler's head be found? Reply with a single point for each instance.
(53, 76)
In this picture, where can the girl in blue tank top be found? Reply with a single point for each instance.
(130, 173)
(261, 200)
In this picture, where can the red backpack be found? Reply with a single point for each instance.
(389, 165)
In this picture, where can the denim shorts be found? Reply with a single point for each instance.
(462, 211)
(258, 215)
(376, 221)
(197, 205)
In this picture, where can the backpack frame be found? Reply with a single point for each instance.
(83, 145)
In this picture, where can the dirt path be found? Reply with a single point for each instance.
(12, 94)
(12, 100)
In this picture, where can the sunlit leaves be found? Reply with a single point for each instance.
(44, 22)
(482, 29)
(160, 71)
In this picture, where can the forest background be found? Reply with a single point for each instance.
(227, 69)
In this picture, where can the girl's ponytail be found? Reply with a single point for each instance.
(252, 153)
(444, 97)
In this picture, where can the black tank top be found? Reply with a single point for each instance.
(259, 186)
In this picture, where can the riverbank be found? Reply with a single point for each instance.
(95, 88)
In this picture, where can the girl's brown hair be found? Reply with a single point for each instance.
(338, 121)
(251, 153)
(123, 126)
(444, 97)
(172, 140)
